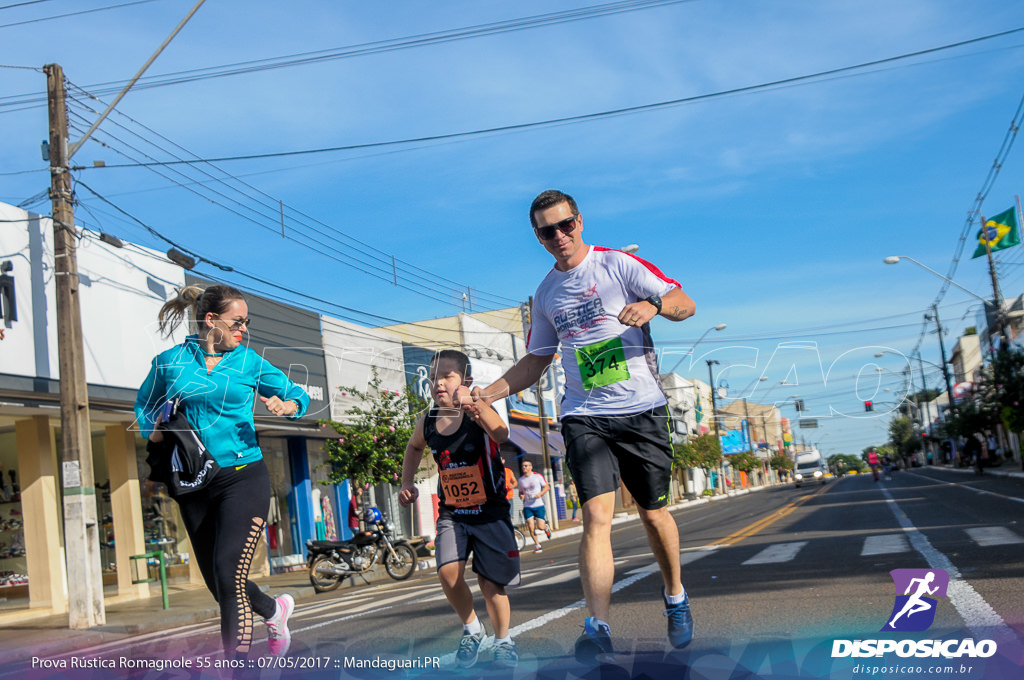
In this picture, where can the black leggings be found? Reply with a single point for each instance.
(224, 522)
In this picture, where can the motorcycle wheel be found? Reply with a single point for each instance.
(403, 565)
(322, 582)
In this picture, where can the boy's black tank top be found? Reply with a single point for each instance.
(469, 446)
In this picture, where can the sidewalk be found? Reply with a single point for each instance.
(192, 604)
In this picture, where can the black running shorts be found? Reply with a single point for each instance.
(636, 449)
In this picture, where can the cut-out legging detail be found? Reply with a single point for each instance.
(225, 521)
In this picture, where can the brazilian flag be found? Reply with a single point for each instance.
(1000, 232)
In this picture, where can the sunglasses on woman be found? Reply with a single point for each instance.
(236, 324)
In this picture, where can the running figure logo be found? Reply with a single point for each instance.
(914, 610)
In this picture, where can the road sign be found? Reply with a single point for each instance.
(808, 423)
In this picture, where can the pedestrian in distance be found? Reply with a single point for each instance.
(873, 463)
(473, 505)
(597, 304)
(510, 483)
(215, 379)
(532, 488)
(574, 500)
(972, 451)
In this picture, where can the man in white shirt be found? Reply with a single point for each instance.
(532, 488)
(596, 304)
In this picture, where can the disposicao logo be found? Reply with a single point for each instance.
(914, 610)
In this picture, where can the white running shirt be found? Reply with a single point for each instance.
(610, 368)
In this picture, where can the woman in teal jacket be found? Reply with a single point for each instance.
(216, 380)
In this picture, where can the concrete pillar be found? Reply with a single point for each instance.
(126, 507)
(40, 507)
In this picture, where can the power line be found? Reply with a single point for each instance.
(72, 14)
(387, 268)
(569, 120)
(22, 4)
(265, 281)
(986, 186)
(380, 46)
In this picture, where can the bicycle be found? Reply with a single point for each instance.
(520, 538)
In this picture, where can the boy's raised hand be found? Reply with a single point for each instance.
(407, 495)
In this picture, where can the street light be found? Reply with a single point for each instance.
(895, 259)
(996, 311)
(719, 327)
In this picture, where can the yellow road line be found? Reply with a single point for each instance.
(765, 522)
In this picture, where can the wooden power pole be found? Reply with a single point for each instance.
(81, 529)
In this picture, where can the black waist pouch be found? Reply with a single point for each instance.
(181, 461)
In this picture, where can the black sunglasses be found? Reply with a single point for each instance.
(236, 324)
(566, 226)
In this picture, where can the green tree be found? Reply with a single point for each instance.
(371, 442)
(780, 462)
(905, 439)
(745, 462)
(1004, 388)
(844, 462)
(703, 452)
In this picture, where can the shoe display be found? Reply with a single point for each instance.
(680, 623)
(506, 655)
(469, 649)
(279, 638)
(595, 639)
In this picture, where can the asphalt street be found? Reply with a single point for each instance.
(775, 578)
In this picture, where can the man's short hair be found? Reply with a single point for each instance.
(460, 359)
(551, 197)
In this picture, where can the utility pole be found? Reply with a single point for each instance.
(527, 315)
(81, 530)
(945, 375)
(927, 409)
(714, 420)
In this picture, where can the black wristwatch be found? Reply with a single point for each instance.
(654, 300)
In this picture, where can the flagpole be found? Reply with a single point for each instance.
(995, 285)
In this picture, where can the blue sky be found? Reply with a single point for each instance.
(774, 207)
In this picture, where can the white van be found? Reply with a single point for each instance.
(810, 467)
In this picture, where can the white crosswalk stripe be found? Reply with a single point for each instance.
(987, 536)
(779, 552)
(885, 545)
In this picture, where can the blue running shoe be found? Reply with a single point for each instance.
(594, 640)
(680, 623)
(506, 655)
(469, 649)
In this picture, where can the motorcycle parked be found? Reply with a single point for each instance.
(330, 562)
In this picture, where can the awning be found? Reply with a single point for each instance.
(528, 439)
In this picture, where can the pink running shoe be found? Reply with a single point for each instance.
(279, 638)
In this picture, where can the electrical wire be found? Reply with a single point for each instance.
(975, 211)
(581, 118)
(376, 47)
(73, 14)
(388, 268)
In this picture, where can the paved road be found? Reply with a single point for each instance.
(775, 578)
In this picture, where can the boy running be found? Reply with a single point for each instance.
(473, 508)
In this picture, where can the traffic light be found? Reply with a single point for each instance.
(869, 406)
